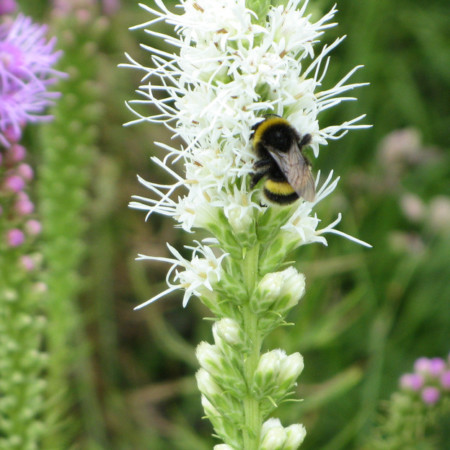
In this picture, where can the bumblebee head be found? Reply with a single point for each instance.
(275, 132)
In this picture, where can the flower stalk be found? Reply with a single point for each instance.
(237, 62)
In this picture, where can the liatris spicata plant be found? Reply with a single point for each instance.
(27, 58)
(414, 413)
(237, 62)
(69, 150)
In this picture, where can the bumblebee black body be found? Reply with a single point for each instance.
(287, 172)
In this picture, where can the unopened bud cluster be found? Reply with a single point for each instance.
(430, 380)
(18, 224)
(222, 378)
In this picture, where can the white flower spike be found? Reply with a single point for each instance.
(225, 71)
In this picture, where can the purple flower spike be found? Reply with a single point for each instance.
(26, 71)
(430, 395)
(412, 381)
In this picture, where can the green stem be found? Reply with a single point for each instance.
(252, 413)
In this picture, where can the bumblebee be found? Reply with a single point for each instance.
(281, 162)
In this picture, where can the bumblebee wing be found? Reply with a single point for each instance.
(296, 170)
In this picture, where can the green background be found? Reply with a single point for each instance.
(367, 314)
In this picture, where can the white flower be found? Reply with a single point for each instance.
(199, 276)
(227, 74)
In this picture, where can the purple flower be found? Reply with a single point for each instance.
(437, 366)
(13, 183)
(26, 71)
(15, 237)
(422, 365)
(430, 395)
(412, 381)
(33, 227)
(445, 380)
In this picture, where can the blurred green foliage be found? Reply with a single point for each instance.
(367, 314)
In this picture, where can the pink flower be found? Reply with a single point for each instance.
(15, 237)
(437, 366)
(413, 381)
(430, 395)
(33, 227)
(14, 183)
(422, 365)
(7, 6)
(445, 380)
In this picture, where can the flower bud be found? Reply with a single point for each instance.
(14, 183)
(445, 380)
(33, 227)
(290, 368)
(411, 381)
(239, 217)
(15, 237)
(210, 358)
(430, 395)
(273, 435)
(422, 365)
(293, 289)
(267, 292)
(437, 367)
(295, 436)
(8, 7)
(25, 171)
(225, 372)
(265, 379)
(279, 291)
(227, 331)
(206, 385)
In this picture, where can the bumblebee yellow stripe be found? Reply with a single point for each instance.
(262, 127)
(279, 187)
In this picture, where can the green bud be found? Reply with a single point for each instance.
(224, 428)
(225, 373)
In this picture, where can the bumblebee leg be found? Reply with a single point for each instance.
(306, 139)
(262, 162)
